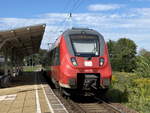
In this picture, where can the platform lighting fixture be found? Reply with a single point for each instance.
(44, 25)
(28, 28)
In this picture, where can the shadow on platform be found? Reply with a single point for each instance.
(26, 78)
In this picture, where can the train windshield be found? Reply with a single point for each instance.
(86, 46)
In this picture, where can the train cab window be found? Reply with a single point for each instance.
(54, 56)
(85, 45)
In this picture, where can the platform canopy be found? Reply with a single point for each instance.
(22, 41)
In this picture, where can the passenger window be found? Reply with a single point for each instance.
(57, 56)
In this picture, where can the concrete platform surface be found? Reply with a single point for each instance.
(27, 95)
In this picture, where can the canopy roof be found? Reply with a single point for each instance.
(23, 41)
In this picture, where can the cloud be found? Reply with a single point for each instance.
(104, 7)
(112, 26)
(142, 11)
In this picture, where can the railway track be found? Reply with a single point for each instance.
(85, 104)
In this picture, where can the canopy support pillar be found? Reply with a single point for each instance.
(6, 62)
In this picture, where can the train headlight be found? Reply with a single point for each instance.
(101, 61)
(74, 62)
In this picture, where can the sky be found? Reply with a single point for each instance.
(114, 19)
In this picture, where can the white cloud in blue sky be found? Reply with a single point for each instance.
(104, 7)
(142, 11)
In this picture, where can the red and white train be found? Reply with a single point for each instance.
(78, 62)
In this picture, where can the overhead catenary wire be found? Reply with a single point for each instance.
(76, 5)
(61, 24)
(66, 7)
(69, 8)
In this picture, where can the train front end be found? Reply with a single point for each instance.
(85, 64)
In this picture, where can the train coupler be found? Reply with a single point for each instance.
(88, 81)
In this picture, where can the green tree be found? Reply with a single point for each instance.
(123, 56)
(144, 52)
(112, 54)
(111, 47)
(35, 59)
(42, 53)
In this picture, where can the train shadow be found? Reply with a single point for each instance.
(117, 96)
(112, 96)
(84, 99)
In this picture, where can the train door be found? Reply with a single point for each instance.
(56, 63)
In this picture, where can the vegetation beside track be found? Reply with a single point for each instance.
(131, 90)
(131, 81)
(31, 68)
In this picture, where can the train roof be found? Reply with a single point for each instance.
(81, 30)
(77, 31)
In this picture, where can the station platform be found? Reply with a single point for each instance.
(29, 94)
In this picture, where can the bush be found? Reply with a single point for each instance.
(131, 90)
(143, 66)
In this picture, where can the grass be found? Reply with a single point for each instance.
(31, 68)
(131, 90)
